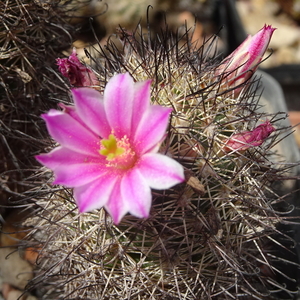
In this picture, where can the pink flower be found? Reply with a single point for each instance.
(108, 148)
(77, 73)
(239, 66)
(247, 139)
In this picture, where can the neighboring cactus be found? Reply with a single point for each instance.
(208, 238)
(32, 34)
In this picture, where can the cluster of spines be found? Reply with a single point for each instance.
(32, 34)
(205, 239)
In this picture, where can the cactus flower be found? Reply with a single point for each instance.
(247, 139)
(78, 74)
(239, 66)
(108, 148)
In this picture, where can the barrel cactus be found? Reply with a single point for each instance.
(209, 236)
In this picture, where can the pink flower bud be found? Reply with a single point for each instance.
(247, 139)
(240, 65)
(77, 73)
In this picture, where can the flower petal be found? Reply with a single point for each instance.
(70, 133)
(117, 206)
(63, 156)
(160, 171)
(95, 194)
(90, 108)
(141, 102)
(71, 111)
(136, 191)
(152, 128)
(118, 103)
(72, 169)
(77, 175)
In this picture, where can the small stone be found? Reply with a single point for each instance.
(14, 295)
(13, 269)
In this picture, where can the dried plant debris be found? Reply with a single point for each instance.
(213, 237)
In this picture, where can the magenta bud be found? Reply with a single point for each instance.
(78, 74)
(247, 139)
(240, 65)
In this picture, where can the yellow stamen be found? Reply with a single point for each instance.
(111, 149)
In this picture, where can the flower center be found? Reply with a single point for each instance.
(111, 149)
(119, 153)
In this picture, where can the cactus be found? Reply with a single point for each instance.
(210, 237)
(32, 34)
